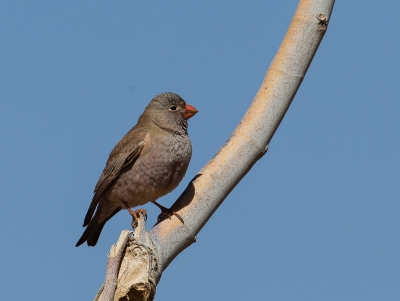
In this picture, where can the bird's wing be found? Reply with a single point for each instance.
(124, 154)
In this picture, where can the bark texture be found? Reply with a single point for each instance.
(136, 272)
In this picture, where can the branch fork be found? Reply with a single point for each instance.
(133, 266)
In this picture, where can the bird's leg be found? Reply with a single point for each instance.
(129, 209)
(135, 214)
(167, 211)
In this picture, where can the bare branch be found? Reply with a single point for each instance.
(113, 264)
(250, 139)
(138, 269)
(248, 143)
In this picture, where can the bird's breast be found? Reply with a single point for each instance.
(157, 171)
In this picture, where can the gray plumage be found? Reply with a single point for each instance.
(148, 162)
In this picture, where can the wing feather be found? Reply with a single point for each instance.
(117, 161)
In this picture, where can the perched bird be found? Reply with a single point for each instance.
(148, 162)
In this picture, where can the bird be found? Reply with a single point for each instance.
(147, 163)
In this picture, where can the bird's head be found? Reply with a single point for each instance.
(169, 110)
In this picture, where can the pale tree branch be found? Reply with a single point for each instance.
(248, 143)
(113, 264)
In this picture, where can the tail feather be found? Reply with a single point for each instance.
(92, 232)
(94, 237)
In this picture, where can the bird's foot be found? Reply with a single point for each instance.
(135, 214)
(167, 212)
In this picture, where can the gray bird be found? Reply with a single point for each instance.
(148, 162)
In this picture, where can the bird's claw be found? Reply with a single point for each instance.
(136, 216)
(167, 212)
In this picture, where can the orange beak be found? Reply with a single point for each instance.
(190, 111)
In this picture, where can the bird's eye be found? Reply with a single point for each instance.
(172, 108)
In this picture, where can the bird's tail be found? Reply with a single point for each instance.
(92, 232)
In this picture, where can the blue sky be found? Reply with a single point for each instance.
(317, 218)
